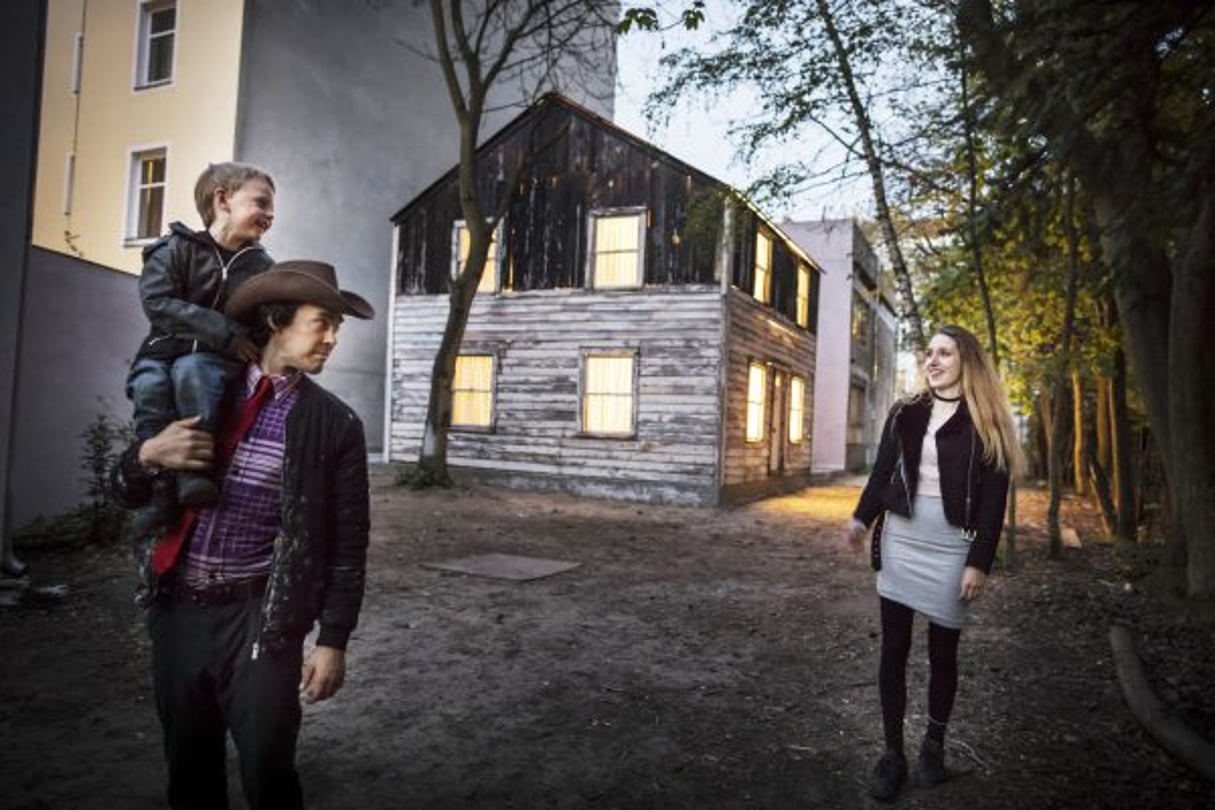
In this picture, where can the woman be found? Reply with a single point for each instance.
(939, 487)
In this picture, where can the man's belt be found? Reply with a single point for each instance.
(222, 594)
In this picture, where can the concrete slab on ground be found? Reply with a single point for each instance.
(503, 566)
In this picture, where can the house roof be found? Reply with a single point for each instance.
(551, 100)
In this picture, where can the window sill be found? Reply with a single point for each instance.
(153, 85)
(138, 241)
(471, 429)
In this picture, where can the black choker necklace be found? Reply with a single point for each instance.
(946, 399)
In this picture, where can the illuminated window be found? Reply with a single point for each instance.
(797, 410)
(157, 34)
(462, 241)
(616, 250)
(146, 195)
(607, 394)
(803, 295)
(763, 267)
(472, 391)
(757, 395)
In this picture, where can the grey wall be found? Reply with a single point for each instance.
(20, 80)
(352, 123)
(81, 325)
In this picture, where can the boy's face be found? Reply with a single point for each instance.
(244, 215)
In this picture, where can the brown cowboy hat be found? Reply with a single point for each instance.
(299, 281)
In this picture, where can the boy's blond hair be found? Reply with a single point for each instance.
(228, 176)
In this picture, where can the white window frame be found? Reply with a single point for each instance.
(144, 11)
(757, 409)
(797, 409)
(491, 277)
(135, 158)
(803, 295)
(584, 394)
(642, 215)
(761, 289)
(491, 392)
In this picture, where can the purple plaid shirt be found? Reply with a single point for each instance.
(236, 542)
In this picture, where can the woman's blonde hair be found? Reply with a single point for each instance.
(987, 402)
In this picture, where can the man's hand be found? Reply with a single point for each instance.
(244, 349)
(972, 584)
(856, 535)
(323, 674)
(182, 445)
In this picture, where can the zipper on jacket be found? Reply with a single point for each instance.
(969, 533)
(223, 281)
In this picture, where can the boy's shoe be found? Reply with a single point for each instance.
(196, 490)
(888, 775)
(930, 769)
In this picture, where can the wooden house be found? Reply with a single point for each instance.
(640, 332)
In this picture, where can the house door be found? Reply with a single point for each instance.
(776, 436)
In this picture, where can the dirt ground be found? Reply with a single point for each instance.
(697, 658)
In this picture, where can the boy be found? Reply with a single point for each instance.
(193, 352)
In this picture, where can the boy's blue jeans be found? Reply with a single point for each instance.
(166, 390)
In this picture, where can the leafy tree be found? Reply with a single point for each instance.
(1121, 94)
(815, 65)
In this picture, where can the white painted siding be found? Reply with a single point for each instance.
(539, 338)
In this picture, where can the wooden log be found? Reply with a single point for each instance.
(1174, 736)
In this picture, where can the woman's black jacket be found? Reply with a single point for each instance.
(974, 492)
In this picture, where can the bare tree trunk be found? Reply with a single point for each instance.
(873, 163)
(1103, 456)
(1078, 486)
(1055, 444)
(1124, 485)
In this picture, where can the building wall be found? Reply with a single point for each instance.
(539, 338)
(81, 325)
(851, 269)
(351, 121)
(193, 117)
(755, 333)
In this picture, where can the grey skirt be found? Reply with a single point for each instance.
(922, 562)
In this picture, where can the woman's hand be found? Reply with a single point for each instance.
(856, 535)
(972, 584)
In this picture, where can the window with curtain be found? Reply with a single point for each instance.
(763, 267)
(489, 278)
(146, 202)
(797, 410)
(472, 392)
(616, 250)
(607, 394)
(803, 295)
(757, 395)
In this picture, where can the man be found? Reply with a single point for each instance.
(233, 589)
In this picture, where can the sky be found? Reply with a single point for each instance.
(698, 135)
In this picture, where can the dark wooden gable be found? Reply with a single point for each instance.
(574, 164)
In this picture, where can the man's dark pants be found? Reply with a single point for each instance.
(207, 682)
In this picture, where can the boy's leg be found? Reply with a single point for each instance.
(199, 383)
(150, 389)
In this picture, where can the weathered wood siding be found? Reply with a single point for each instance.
(755, 333)
(539, 339)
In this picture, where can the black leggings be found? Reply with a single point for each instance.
(892, 673)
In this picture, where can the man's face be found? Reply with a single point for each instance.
(246, 214)
(306, 343)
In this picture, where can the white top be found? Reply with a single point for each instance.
(930, 474)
